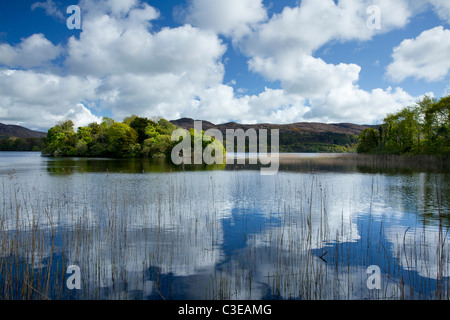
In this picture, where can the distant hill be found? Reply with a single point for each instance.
(13, 131)
(17, 138)
(341, 128)
(297, 137)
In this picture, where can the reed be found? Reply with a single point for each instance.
(151, 240)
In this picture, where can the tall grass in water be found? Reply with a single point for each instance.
(233, 236)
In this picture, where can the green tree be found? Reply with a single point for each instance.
(99, 139)
(437, 126)
(134, 137)
(166, 127)
(424, 128)
(85, 135)
(140, 125)
(151, 131)
(61, 140)
(368, 141)
(403, 131)
(158, 146)
(121, 140)
(81, 148)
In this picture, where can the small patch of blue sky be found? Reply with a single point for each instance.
(168, 16)
(19, 20)
(238, 75)
(95, 106)
(277, 6)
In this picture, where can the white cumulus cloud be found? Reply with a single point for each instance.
(425, 57)
(34, 51)
(234, 18)
(442, 8)
(39, 99)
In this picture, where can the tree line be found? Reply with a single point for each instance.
(420, 129)
(135, 137)
(21, 144)
(317, 142)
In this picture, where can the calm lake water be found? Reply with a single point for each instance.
(144, 229)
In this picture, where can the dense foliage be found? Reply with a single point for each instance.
(134, 137)
(21, 144)
(317, 148)
(421, 129)
(296, 141)
(317, 142)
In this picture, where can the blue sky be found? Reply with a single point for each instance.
(249, 61)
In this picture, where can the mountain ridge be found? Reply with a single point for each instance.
(344, 128)
(299, 136)
(8, 131)
(18, 138)
(16, 131)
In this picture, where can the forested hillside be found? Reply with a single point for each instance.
(17, 138)
(298, 137)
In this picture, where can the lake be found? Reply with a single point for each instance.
(324, 227)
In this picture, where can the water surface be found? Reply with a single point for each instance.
(145, 229)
